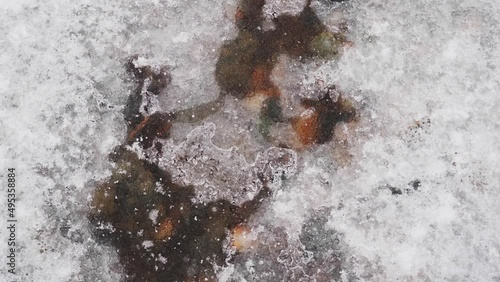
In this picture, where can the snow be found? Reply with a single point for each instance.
(411, 62)
(153, 216)
(275, 8)
(63, 87)
(62, 91)
(147, 244)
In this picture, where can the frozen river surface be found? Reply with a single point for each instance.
(408, 190)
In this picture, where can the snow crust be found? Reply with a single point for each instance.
(62, 89)
(425, 77)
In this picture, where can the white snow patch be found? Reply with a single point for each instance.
(153, 216)
(147, 244)
(275, 8)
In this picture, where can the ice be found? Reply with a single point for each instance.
(186, 37)
(62, 91)
(430, 62)
(424, 78)
(429, 113)
(218, 173)
(332, 13)
(296, 81)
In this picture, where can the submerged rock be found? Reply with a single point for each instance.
(330, 110)
(158, 230)
(169, 209)
(245, 65)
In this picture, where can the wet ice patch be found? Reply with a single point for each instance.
(218, 173)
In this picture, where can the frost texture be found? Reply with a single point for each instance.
(422, 74)
(62, 90)
(222, 174)
(61, 95)
(296, 83)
